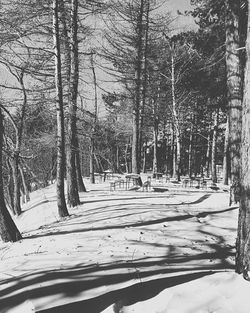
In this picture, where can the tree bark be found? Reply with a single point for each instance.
(92, 141)
(144, 158)
(117, 158)
(234, 92)
(155, 157)
(207, 165)
(173, 152)
(16, 183)
(176, 122)
(72, 186)
(16, 153)
(92, 161)
(126, 158)
(144, 77)
(10, 187)
(81, 186)
(225, 156)
(61, 203)
(25, 187)
(214, 148)
(190, 150)
(243, 234)
(8, 229)
(138, 96)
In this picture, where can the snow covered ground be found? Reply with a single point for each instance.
(125, 251)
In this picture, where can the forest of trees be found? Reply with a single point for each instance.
(88, 86)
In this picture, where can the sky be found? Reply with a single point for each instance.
(181, 22)
(179, 4)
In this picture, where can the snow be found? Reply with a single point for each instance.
(125, 251)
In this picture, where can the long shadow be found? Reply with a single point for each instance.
(52, 199)
(116, 209)
(38, 204)
(75, 280)
(137, 224)
(204, 197)
(85, 277)
(126, 296)
(75, 285)
(201, 199)
(123, 198)
(206, 213)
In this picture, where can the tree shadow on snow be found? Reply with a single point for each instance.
(114, 226)
(70, 282)
(125, 296)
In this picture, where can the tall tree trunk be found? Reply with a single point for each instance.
(178, 157)
(61, 203)
(243, 234)
(72, 75)
(176, 122)
(144, 74)
(173, 152)
(138, 96)
(16, 154)
(69, 46)
(173, 158)
(234, 92)
(92, 161)
(16, 183)
(135, 142)
(72, 186)
(126, 158)
(10, 187)
(207, 165)
(214, 148)
(144, 158)
(117, 158)
(92, 141)
(8, 229)
(25, 187)
(155, 157)
(190, 149)
(80, 183)
(225, 156)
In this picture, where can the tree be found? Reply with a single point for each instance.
(176, 70)
(243, 234)
(61, 203)
(132, 26)
(73, 196)
(15, 162)
(214, 147)
(8, 229)
(234, 93)
(93, 130)
(227, 18)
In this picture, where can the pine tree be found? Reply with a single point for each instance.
(61, 203)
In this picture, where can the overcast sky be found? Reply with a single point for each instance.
(180, 5)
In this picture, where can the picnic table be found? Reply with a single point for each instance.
(194, 182)
(107, 174)
(135, 179)
(157, 175)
